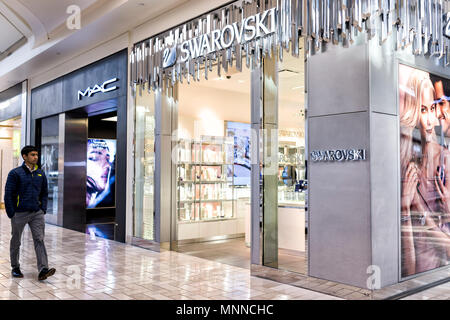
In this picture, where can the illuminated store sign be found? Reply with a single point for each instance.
(248, 29)
(253, 27)
(338, 155)
(89, 92)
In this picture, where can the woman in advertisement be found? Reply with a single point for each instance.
(100, 173)
(425, 198)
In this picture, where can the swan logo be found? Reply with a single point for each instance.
(89, 92)
(447, 25)
(169, 57)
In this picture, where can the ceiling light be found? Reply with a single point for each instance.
(296, 88)
(110, 119)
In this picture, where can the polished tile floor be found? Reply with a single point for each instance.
(234, 252)
(89, 268)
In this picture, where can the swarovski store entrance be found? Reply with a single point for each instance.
(197, 161)
(267, 135)
(211, 153)
(79, 121)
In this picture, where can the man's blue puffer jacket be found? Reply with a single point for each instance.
(25, 191)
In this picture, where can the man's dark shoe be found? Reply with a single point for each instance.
(16, 273)
(45, 273)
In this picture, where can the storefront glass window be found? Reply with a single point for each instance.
(144, 165)
(10, 157)
(49, 160)
(292, 183)
(284, 170)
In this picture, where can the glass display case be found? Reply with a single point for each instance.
(205, 179)
(144, 154)
(49, 160)
(291, 174)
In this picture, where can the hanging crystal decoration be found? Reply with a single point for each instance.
(241, 33)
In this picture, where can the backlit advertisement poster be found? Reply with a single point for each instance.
(101, 156)
(425, 170)
(241, 134)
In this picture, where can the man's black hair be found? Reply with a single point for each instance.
(27, 149)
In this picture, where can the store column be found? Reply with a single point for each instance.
(166, 115)
(339, 191)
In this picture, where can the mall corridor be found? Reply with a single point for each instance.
(89, 269)
(282, 149)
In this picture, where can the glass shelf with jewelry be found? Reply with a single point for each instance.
(205, 179)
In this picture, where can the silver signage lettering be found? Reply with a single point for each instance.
(185, 51)
(215, 41)
(338, 155)
(250, 28)
(260, 27)
(89, 92)
(223, 37)
(194, 47)
(238, 31)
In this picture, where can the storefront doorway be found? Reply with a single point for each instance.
(79, 122)
(193, 169)
(213, 168)
(79, 154)
(292, 187)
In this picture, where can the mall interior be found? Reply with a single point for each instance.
(213, 167)
(262, 140)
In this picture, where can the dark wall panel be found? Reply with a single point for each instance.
(47, 100)
(75, 172)
(61, 94)
(114, 66)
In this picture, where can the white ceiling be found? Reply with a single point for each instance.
(102, 21)
(52, 13)
(229, 99)
(9, 35)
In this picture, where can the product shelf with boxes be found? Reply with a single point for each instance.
(205, 180)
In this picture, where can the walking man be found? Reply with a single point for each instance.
(26, 203)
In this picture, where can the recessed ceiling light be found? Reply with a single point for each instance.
(110, 119)
(299, 87)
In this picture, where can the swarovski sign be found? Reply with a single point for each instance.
(89, 92)
(338, 155)
(250, 28)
